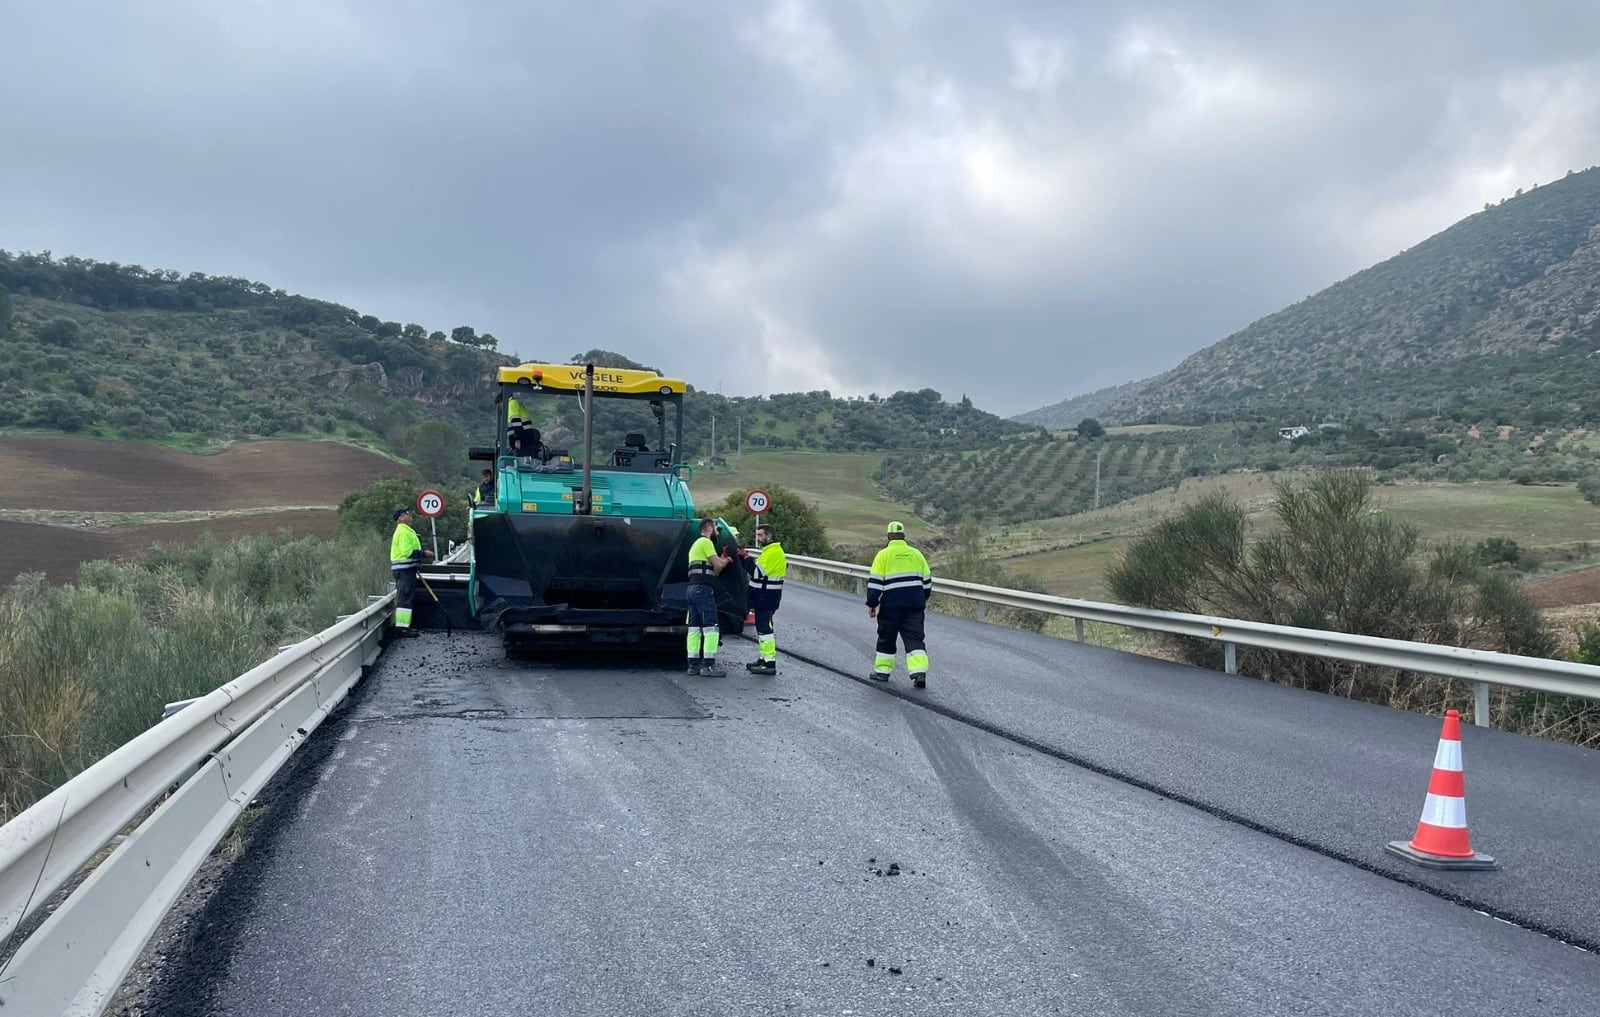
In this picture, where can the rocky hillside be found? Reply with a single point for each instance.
(1493, 318)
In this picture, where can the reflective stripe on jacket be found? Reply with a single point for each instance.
(766, 576)
(405, 550)
(899, 578)
(700, 554)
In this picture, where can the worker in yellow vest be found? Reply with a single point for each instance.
(766, 570)
(898, 589)
(405, 556)
(704, 634)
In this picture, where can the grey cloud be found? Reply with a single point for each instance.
(790, 195)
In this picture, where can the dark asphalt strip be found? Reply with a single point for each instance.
(1532, 924)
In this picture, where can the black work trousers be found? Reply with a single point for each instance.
(904, 623)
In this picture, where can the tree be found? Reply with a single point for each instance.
(488, 341)
(5, 312)
(60, 332)
(1332, 562)
(1089, 427)
(414, 333)
(58, 414)
(466, 335)
(438, 449)
(799, 527)
(369, 512)
(437, 337)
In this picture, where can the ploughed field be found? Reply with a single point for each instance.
(68, 500)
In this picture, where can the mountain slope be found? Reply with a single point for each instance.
(1505, 302)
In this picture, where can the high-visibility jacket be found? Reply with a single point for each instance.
(900, 578)
(700, 555)
(515, 413)
(766, 577)
(405, 549)
(483, 495)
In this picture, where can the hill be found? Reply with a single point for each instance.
(1491, 321)
(119, 351)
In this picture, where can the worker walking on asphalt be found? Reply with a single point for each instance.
(898, 589)
(405, 554)
(704, 635)
(766, 589)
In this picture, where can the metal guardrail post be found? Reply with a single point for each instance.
(1077, 629)
(861, 587)
(983, 610)
(1480, 704)
(1230, 657)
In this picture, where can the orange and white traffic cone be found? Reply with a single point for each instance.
(750, 619)
(1441, 840)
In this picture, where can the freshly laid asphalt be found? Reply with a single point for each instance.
(1340, 776)
(476, 836)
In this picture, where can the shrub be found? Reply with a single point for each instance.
(1333, 562)
(84, 668)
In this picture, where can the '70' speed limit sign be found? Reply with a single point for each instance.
(430, 503)
(757, 502)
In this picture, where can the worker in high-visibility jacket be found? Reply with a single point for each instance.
(483, 494)
(766, 570)
(704, 634)
(898, 589)
(405, 555)
(519, 425)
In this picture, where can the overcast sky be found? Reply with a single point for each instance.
(1019, 201)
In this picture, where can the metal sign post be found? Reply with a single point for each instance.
(431, 504)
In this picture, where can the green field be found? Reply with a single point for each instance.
(1069, 554)
(840, 484)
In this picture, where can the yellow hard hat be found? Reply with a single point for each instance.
(897, 527)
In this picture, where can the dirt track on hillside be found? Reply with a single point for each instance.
(57, 472)
(57, 551)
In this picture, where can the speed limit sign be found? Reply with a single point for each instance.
(430, 504)
(757, 502)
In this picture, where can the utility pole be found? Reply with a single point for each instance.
(740, 446)
(713, 460)
(1097, 478)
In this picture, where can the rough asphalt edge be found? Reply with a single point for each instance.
(176, 970)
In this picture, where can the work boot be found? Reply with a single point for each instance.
(712, 671)
(762, 667)
(406, 633)
(919, 681)
(694, 667)
(878, 676)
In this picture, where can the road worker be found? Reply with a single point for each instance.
(705, 564)
(766, 570)
(405, 555)
(898, 589)
(483, 494)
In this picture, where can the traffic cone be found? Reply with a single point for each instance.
(1441, 840)
(750, 619)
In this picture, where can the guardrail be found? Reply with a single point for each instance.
(1482, 667)
(204, 764)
